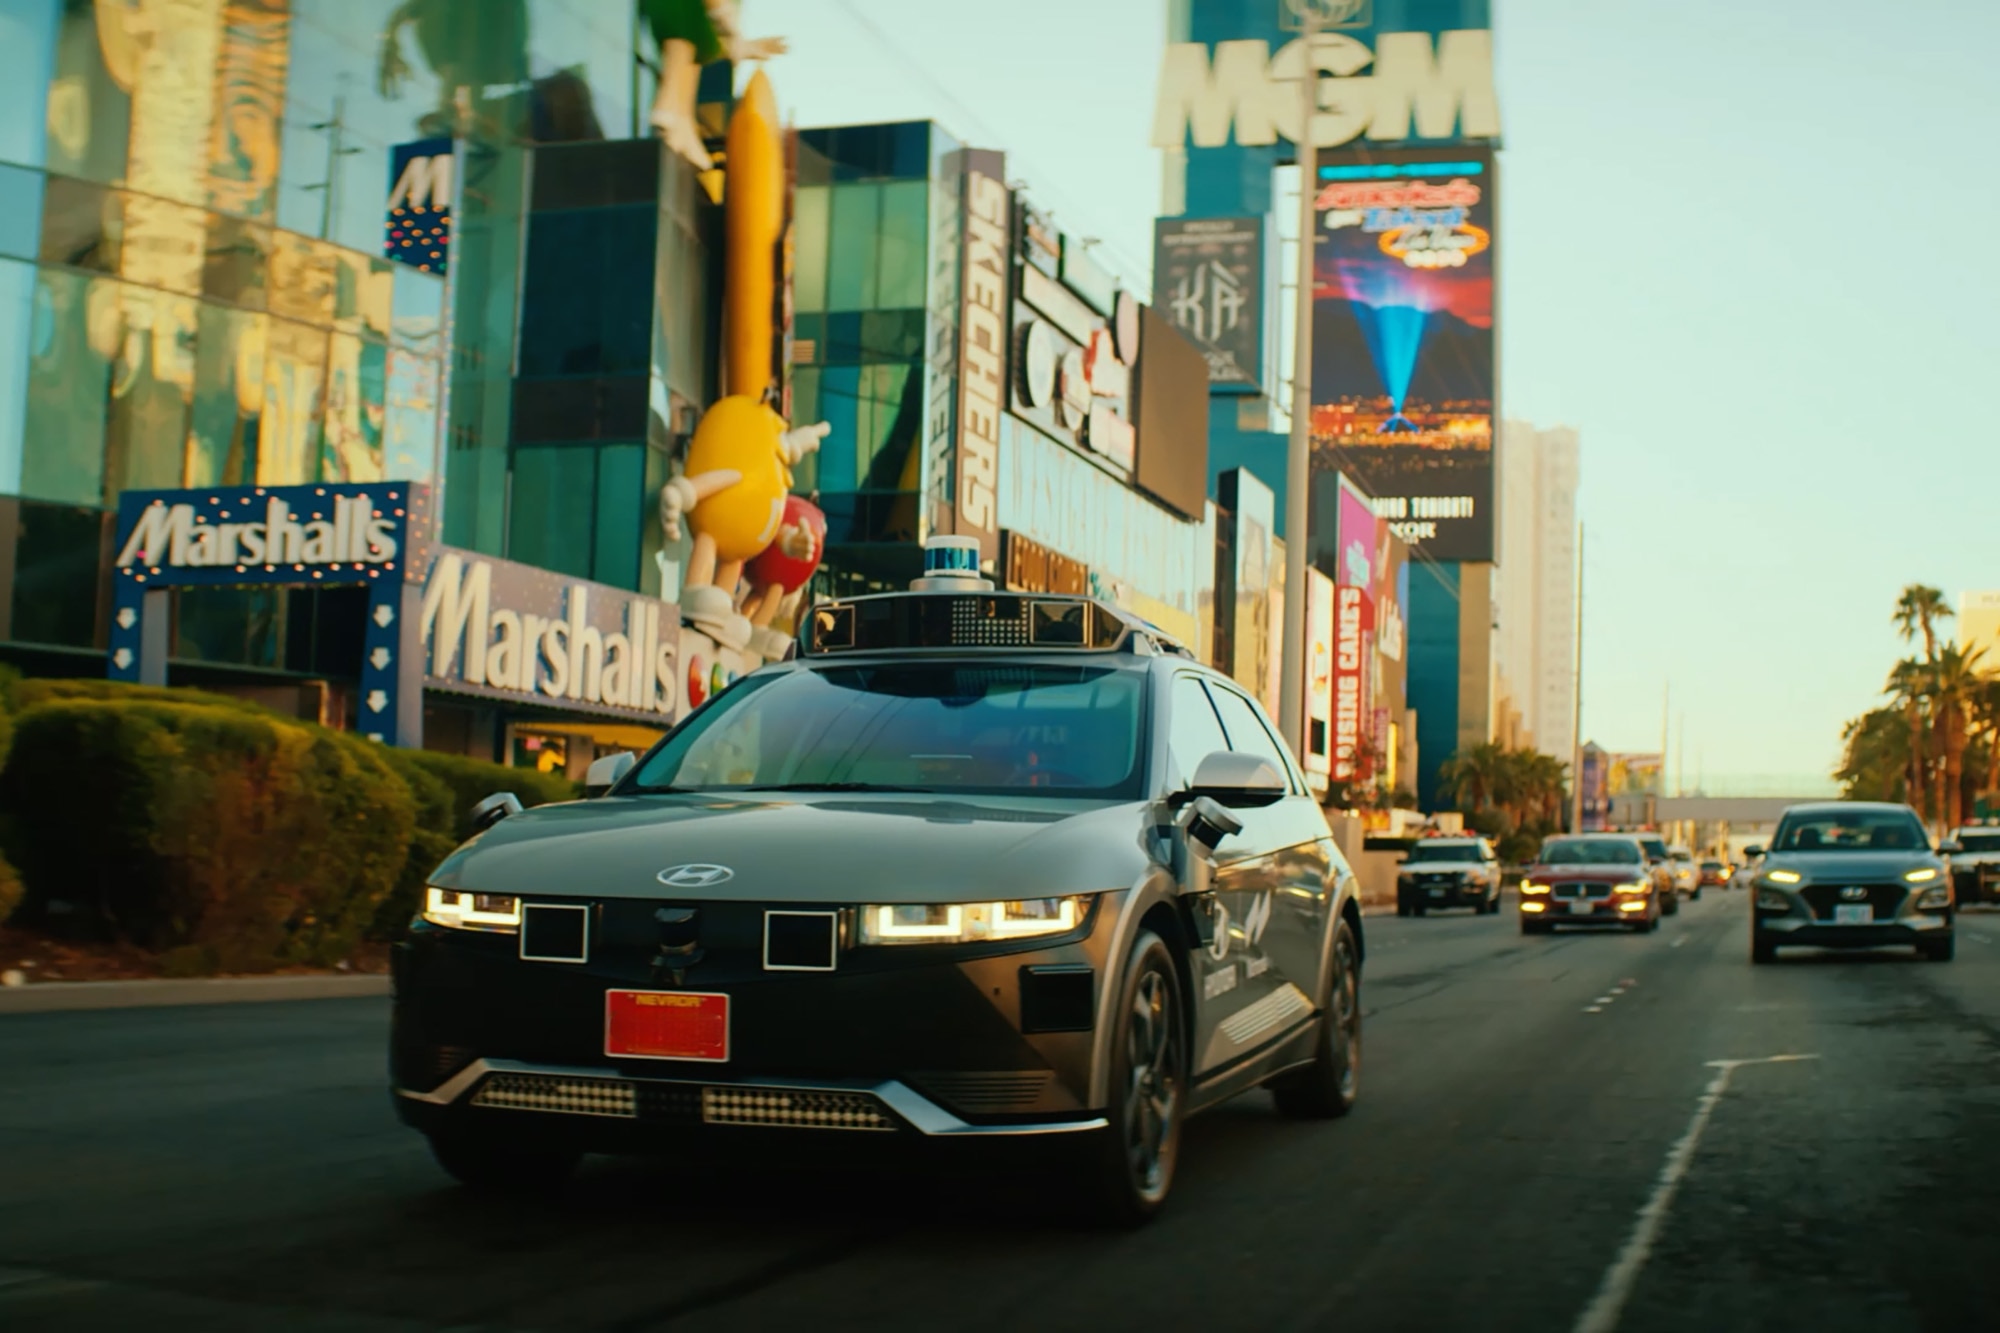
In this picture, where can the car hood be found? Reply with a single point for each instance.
(1849, 867)
(1606, 873)
(1440, 867)
(822, 848)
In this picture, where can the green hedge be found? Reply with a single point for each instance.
(227, 836)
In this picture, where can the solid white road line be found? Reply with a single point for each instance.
(1608, 1305)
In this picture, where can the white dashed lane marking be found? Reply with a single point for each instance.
(1602, 1002)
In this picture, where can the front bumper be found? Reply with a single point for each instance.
(600, 1109)
(931, 1041)
(1458, 894)
(1787, 929)
(1584, 912)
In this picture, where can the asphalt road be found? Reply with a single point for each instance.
(1546, 1141)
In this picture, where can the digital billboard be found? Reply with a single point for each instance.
(1403, 340)
(1208, 275)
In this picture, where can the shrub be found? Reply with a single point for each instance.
(25, 694)
(473, 780)
(10, 890)
(231, 837)
(446, 787)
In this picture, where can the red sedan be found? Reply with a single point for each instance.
(1589, 879)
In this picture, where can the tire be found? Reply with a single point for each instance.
(1695, 897)
(1670, 905)
(1131, 1163)
(1326, 1089)
(496, 1166)
(1654, 924)
(1402, 908)
(1416, 909)
(1939, 951)
(1762, 950)
(1534, 927)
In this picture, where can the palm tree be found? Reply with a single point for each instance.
(1917, 612)
(1909, 685)
(1956, 684)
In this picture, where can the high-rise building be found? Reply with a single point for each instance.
(1534, 658)
(1979, 626)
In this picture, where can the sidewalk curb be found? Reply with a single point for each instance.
(64, 996)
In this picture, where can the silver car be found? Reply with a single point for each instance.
(1850, 875)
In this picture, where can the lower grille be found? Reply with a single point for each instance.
(567, 1096)
(1886, 899)
(995, 1093)
(1582, 890)
(799, 1110)
(684, 1103)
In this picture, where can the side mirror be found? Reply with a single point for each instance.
(1752, 853)
(1950, 847)
(605, 770)
(1208, 823)
(1238, 780)
(493, 809)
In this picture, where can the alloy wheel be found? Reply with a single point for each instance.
(1153, 1089)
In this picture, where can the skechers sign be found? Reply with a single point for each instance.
(1407, 86)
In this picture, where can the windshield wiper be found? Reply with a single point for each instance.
(835, 786)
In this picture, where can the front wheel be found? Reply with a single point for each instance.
(1939, 951)
(1132, 1162)
(1671, 905)
(1762, 950)
(1328, 1086)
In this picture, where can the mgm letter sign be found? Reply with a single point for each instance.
(1408, 86)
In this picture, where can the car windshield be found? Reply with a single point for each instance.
(1851, 830)
(1711, 865)
(1445, 851)
(1654, 848)
(1979, 840)
(1589, 852)
(929, 727)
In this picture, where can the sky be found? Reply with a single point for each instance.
(1746, 248)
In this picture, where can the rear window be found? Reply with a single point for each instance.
(1654, 847)
(1979, 840)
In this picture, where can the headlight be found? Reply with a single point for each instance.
(1773, 902)
(969, 923)
(1636, 886)
(1529, 886)
(472, 911)
(1631, 907)
(1534, 907)
(1921, 876)
(1931, 900)
(1782, 876)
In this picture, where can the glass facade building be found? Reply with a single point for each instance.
(193, 197)
(876, 227)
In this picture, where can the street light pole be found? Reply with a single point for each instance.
(1298, 456)
(1576, 702)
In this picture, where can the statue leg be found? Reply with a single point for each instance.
(673, 106)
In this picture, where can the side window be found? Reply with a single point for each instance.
(1249, 735)
(1193, 734)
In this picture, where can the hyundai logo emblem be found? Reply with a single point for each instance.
(695, 876)
(1854, 893)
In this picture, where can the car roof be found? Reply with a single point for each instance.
(1839, 807)
(1598, 833)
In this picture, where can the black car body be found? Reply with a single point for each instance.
(1974, 854)
(1448, 872)
(1079, 948)
(1850, 875)
(1590, 879)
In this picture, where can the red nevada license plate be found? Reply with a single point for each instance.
(666, 1025)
